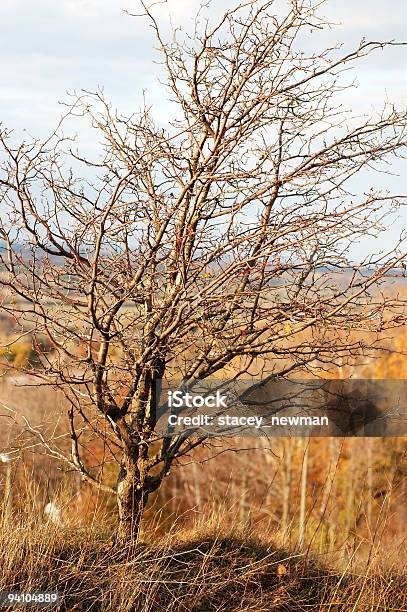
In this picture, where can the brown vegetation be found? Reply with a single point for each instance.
(215, 536)
(207, 569)
(215, 246)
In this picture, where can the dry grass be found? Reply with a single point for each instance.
(203, 569)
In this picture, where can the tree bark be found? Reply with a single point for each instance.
(286, 477)
(303, 495)
(131, 502)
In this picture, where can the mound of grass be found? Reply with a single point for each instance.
(199, 571)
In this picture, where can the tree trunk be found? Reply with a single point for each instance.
(131, 502)
(286, 486)
(8, 492)
(303, 494)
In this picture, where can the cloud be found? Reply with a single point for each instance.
(50, 47)
(368, 15)
(85, 9)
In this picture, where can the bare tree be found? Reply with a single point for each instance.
(219, 243)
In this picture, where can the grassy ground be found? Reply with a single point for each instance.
(202, 570)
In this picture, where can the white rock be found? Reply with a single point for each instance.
(53, 512)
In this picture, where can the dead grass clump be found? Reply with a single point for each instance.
(200, 571)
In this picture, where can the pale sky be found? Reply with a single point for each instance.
(49, 47)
